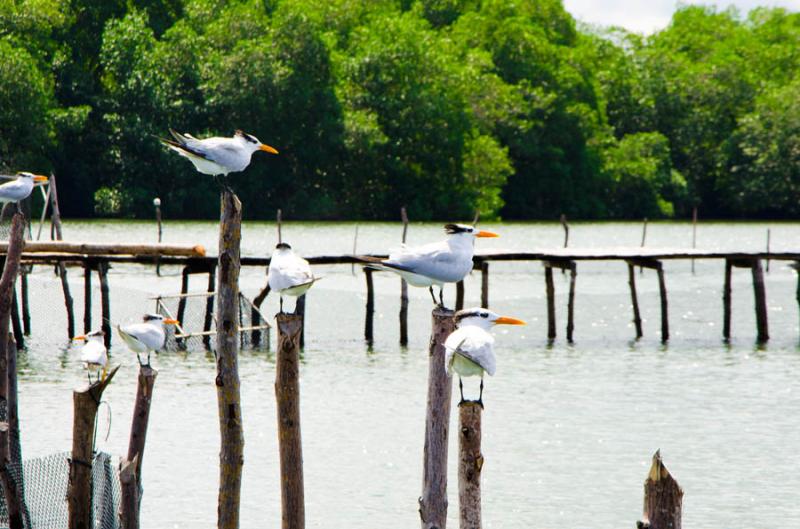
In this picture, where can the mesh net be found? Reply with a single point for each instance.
(7, 211)
(45, 481)
(196, 329)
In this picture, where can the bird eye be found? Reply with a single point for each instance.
(484, 314)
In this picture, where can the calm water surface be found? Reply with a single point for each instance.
(568, 429)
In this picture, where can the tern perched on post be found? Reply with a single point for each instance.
(437, 263)
(94, 354)
(288, 273)
(217, 156)
(21, 187)
(147, 336)
(469, 350)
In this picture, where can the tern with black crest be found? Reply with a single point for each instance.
(94, 354)
(21, 187)
(147, 336)
(434, 264)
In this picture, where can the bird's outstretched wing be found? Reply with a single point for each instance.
(474, 344)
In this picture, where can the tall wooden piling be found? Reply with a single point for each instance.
(470, 464)
(368, 320)
(662, 288)
(663, 499)
(129, 503)
(726, 301)
(105, 302)
(231, 456)
(300, 310)
(637, 319)
(433, 501)
(184, 290)
(208, 317)
(79, 491)
(68, 302)
(287, 395)
(694, 232)
(255, 316)
(551, 302)
(16, 323)
(146, 381)
(485, 284)
(760, 301)
(403, 287)
(573, 272)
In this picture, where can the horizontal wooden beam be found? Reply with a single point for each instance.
(84, 248)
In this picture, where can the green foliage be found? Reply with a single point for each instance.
(443, 106)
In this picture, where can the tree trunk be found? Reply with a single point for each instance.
(433, 502)
(470, 464)
(287, 395)
(231, 456)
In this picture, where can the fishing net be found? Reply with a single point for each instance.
(43, 488)
(197, 327)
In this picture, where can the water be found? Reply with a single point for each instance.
(569, 430)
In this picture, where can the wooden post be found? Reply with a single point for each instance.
(485, 284)
(278, 221)
(460, 295)
(726, 301)
(141, 417)
(637, 320)
(105, 301)
(87, 297)
(11, 490)
(62, 274)
(551, 302)
(55, 216)
(663, 499)
(433, 501)
(470, 464)
(403, 287)
(761, 301)
(231, 456)
(796, 266)
(26, 309)
(644, 232)
(300, 310)
(368, 321)
(573, 272)
(208, 318)
(662, 288)
(184, 290)
(287, 395)
(79, 491)
(129, 503)
(16, 324)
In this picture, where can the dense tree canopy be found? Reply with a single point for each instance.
(443, 106)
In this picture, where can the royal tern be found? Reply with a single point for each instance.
(288, 273)
(20, 188)
(147, 336)
(470, 348)
(217, 156)
(94, 354)
(448, 261)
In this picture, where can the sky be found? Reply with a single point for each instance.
(647, 16)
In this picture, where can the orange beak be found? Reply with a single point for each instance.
(502, 320)
(81, 337)
(483, 233)
(268, 149)
(40, 178)
(170, 321)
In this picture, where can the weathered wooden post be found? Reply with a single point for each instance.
(16, 324)
(662, 288)
(129, 503)
(433, 501)
(551, 302)
(287, 395)
(573, 272)
(105, 301)
(231, 456)
(726, 301)
(403, 287)
(761, 301)
(368, 321)
(79, 492)
(55, 233)
(62, 274)
(485, 284)
(565, 225)
(300, 310)
(637, 319)
(157, 205)
(256, 317)
(141, 417)
(181, 313)
(470, 464)
(769, 233)
(663, 499)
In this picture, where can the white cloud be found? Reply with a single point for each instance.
(652, 15)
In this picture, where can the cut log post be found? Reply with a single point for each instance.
(300, 310)
(663, 499)
(87, 297)
(256, 317)
(403, 287)
(287, 395)
(129, 503)
(760, 300)
(208, 318)
(662, 288)
(141, 417)
(370, 312)
(105, 302)
(550, 291)
(470, 464)
(433, 501)
(637, 319)
(573, 272)
(16, 323)
(231, 456)
(460, 295)
(183, 299)
(79, 491)
(26, 308)
(485, 284)
(62, 274)
(726, 301)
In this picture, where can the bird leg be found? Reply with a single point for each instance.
(461, 389)
(103, 374)
(89, 376)
(441, 296)
(281, 298)
(433, 296)
(480, 397)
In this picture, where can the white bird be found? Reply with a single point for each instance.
(469, 350)
(94, 354)
(21, 187)
(448, 261)
(217, 156)
(147, 336)
(288, 273)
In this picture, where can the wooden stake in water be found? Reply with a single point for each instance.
(663, 499)
(403, 287)
(355, 245)
(470, 464)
